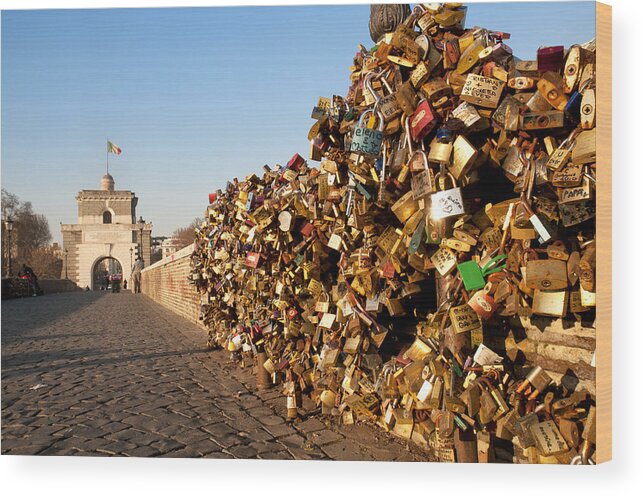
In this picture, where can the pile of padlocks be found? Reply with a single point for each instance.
(455, 191)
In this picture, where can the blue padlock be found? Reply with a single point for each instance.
(572, 109)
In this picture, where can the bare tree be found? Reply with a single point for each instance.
(185, 235)
(46, 262)
(30, 230)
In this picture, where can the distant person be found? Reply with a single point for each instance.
(32, 280)
(115, 279)
(125, 284)
(136, 274)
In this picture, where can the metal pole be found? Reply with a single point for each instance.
(9, 242)
(140, 248)
(5, 251)
(66, 268)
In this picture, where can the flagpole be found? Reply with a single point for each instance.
(107, 155)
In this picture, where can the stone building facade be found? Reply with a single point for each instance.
(107, 230)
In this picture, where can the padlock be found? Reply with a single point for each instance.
(507, 115)
(483, 304)
(473, 276)
(550, 58)
(537, 378)
(588, 109)
(422, 182)
(422, 121)
(546, 274)
(464, 319)
(464, 156)
(441, 147)
(368, 141)
(471, 56)
(436, 89)
(446, 203)
(572, 68)
(466, 113)
(547, 119)
(584, 150)
(407, 98)
(482, 91)
(550, 86)
(550, 303)
(521, 83)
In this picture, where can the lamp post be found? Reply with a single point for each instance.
(141, 226)
(66, 271)
(8, 225)
(131, 259)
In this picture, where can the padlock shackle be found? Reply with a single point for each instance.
(367, 83)
(407, 132)
(424, 158)
(382, 77)
(587, 83)
(571, 139)
(439, 176)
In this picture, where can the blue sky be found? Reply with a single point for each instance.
(194, 97)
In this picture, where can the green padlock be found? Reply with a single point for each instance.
(473, 276)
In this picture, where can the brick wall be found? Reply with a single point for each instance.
(563, 347)
(166, 282)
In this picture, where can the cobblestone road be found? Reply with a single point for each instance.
(116, 374)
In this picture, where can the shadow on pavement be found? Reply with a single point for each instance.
(24, 314)
(18, 365)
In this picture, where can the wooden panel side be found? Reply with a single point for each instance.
(604, 232)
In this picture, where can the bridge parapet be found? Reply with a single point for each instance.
(166, 282)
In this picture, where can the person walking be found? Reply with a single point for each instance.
(136, 275)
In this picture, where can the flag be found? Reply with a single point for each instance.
(112, 148)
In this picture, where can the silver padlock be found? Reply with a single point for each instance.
(447, 202)
(369, 141)
(422, 182)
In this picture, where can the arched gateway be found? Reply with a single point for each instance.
(103, 268)
(106, 231)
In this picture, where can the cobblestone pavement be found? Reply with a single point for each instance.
(116, 374)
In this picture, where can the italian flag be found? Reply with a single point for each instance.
(112, 148)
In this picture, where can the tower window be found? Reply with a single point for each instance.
(107, 217)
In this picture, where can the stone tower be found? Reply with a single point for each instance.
(106, 236)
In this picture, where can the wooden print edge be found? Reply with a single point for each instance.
(604, 232)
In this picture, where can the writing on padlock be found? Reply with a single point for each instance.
(446, 202)
(368, 141)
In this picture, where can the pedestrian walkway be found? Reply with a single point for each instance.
(96, 373)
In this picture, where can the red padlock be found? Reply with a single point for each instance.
(212, 197)
(422, 121)
(550, 58)
(483, 304)
(307, 229)
(296, 162)
(252, 259)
